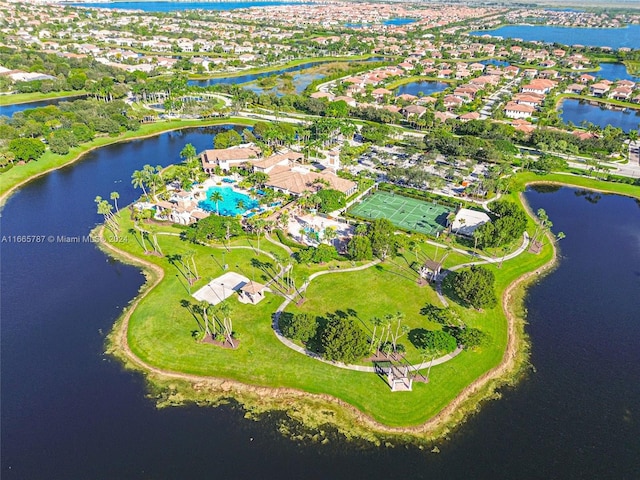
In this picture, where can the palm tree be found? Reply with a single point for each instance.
(139, 179)
(398, 317)
(283, 219)
(204, 310)
(137, 216)
(386, 325)
(329, 234)
(377, 322)
(216, 197)
(225, 311)
(115, 196)
(240, 205)
(188, 152)
(154, 235)
(193, 272)
(260, 226)
(105, 209)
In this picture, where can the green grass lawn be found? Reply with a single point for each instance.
(160, 332)
(522, 178)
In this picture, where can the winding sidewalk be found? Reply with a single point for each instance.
(358, 368)
(361, 368)
(485, 260)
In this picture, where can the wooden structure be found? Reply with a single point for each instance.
(252, 292)
(398, 379)
(430, 269)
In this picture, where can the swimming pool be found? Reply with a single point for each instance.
(228, 206)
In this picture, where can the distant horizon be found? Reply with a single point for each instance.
(631, 4)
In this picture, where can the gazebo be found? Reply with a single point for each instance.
(398, 378)
(430, 269)
(252, 292)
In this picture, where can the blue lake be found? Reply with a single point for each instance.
(228, 206)
(252, 77)
(177, 6)
(577, 112)
(591, 37)
(9, 110)
(71, 412)
(615, 71)
(396, 22)
(424, 87)
(495, 63)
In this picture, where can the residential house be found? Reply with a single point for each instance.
(517, 110)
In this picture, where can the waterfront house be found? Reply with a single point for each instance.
(228, 157)
(599, 89)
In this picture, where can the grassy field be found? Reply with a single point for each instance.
(50, 161)
(161, 330)
(633, 66)
(573, 180)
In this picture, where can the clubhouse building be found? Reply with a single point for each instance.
(286, 173)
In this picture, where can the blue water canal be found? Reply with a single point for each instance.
(252, 77)
(590, 37)
(70, 411)
(580, 112)
(9, 110)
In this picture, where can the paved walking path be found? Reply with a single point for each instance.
(484, 261)
(361, 368)
(270, 239)
(358, 368)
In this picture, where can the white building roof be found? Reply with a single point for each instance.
(467, 221)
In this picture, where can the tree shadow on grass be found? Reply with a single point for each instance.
(191, 308)
(382, 269)
(416, 337)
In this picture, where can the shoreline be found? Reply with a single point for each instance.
(43, 99)
(6, 195)
(311, 409)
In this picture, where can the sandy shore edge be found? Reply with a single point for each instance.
(454, 413)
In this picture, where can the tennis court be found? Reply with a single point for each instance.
(404, 212)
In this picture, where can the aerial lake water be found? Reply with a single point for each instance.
(252, 77)
(9, 110)
(169, 6)
(423, 87)
(578, 111)
(392, 22)
(70, 411)
(592, 37)
(614, 72)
